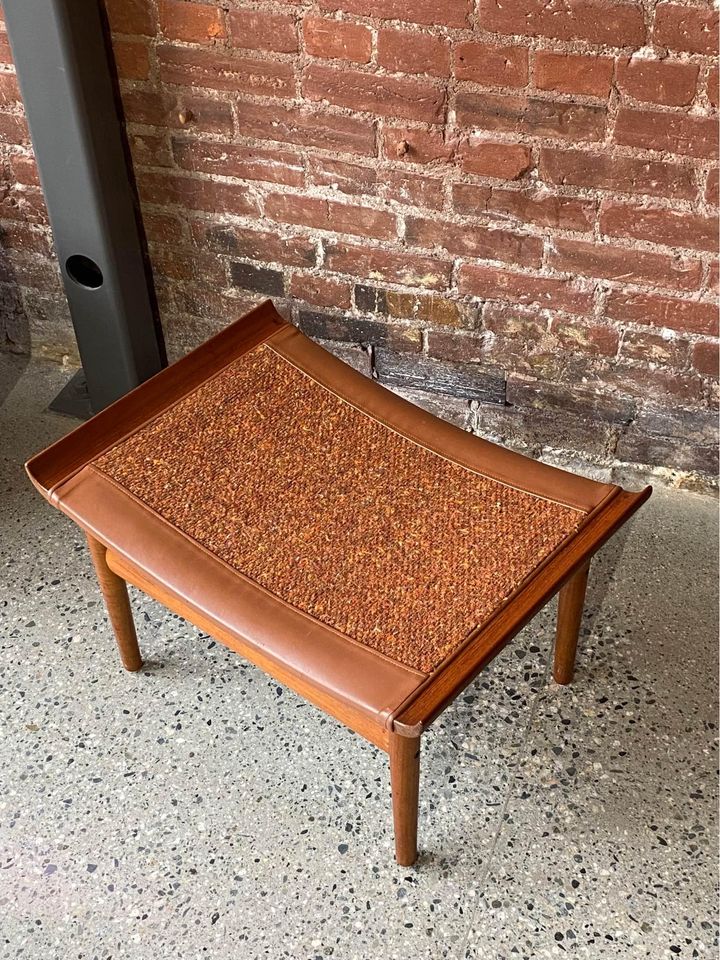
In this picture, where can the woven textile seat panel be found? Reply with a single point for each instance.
(359, 550)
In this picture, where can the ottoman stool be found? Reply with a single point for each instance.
(362, 552)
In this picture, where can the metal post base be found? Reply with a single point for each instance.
(74, 399)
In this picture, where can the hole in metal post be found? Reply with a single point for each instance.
(84, 271)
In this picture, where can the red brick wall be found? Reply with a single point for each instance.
(512, 206)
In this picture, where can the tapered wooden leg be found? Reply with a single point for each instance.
(114, 590)
(405, 780)
(570, 610)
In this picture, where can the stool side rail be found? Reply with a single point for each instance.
(442, 687)
(353, 718)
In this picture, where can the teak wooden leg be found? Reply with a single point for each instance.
(405, 780)
(570, 610)
(114, 590)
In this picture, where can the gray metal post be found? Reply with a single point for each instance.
(63, 67)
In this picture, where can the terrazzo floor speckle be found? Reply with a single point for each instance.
(198, 810)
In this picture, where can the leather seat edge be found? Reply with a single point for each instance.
(332, 663)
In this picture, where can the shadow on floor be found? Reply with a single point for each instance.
(12, 367)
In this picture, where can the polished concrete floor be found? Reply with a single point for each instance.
(199, 810)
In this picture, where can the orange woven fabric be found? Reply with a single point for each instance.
(336, 514)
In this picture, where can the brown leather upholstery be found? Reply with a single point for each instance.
(79, 476)
(345, 669)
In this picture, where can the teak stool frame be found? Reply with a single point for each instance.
(566, 572)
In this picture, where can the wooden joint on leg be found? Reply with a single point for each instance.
(114, 591)
(569, 618)
(405, 781)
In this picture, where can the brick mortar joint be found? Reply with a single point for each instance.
(544, 273)
(492, 223)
